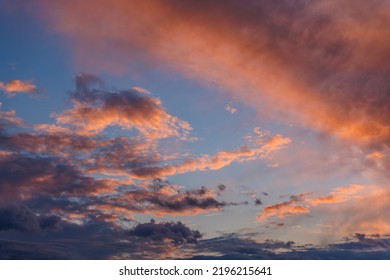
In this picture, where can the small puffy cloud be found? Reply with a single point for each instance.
(230, 109)
(18, 86)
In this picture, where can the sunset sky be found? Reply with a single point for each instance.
(194, 129)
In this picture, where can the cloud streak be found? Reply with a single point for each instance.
(302, 203)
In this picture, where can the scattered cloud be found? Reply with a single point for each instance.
(73, 171)
(230, 109)
(18, 86)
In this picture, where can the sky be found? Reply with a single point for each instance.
(194, 129)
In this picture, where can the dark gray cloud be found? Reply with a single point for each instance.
(22, 176)
(177, 232)
(163, 199)
(235, 247)
(20, 218)
(167, 240)
(99, 240)
(258, 201)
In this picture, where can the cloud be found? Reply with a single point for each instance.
(230, 109)
(20, 218)
(78, 136)
(158, 200)
(99, 108)
(58, 169)
(157, 241)
(233, 247)
(73, 195)
(339, 195)
(366, 214)
(302, 203)
(311, 62)
(18, 86)
(100, 240)
(282, 210)
(217, 161)
(24, 176)
(177, 233)
(9, 118)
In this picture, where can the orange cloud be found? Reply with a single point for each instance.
(282, 210)
(214, 162)
(339, 195)
(312, 62)
(95, 109)
(368, 213)
(302, 203)
(17, 86)
(375, 155)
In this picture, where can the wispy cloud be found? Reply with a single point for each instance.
(311, 60)
(302, 203)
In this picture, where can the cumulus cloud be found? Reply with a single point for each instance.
(98, 108)
(18, 86)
